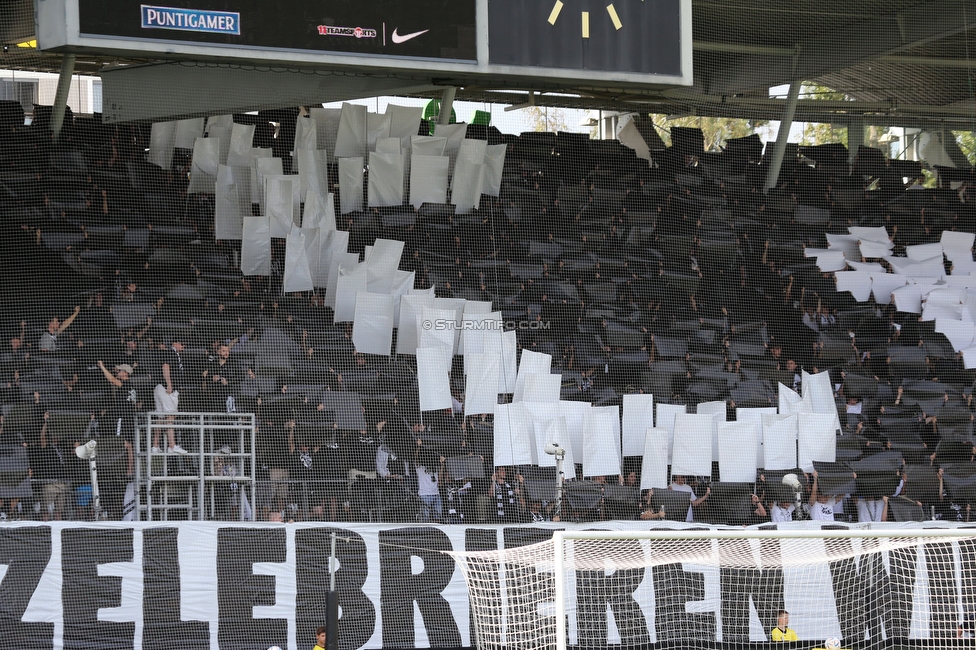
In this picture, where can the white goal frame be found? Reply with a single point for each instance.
(560, 537)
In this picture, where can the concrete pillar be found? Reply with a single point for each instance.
(61, 96)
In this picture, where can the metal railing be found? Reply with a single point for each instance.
(215, 475)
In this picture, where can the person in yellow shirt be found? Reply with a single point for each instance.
(782, 631)
(320, 638)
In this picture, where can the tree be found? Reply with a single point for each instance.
(545, 118)
(815, 133)
(967, 142)
(715, 129)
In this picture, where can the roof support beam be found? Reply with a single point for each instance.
(772, 175)
(884, 35)
(61, 95)
(159, 92)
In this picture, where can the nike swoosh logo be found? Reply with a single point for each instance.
(396, 38)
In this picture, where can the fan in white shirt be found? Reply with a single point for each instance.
(822, 505)
(781, 511)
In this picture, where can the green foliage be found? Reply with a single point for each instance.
(815, 133)
(545, 118)
(716, 129)
(967, 142)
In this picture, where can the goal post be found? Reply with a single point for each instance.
(864, 587)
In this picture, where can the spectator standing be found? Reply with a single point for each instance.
(648, 511)
(167, 393)
(679, 484)
(49, 339)
(504, 496)
(222, 375)
(120, 416)
(430, 470)
(822, 506)
(51, 468)
(781, 512)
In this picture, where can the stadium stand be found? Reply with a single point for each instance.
(680, 279)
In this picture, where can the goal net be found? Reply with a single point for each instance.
(680, 589)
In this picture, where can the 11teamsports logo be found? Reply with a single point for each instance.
(358, 32)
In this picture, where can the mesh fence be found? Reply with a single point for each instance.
(612, 309)
(864, 592)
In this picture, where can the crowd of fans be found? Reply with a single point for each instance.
(679, 278)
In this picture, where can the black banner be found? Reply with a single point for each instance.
(435, 29)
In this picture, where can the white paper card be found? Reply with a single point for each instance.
(882, 284)
(222, 136)
(857, 282)
(433, 378)
(187, 131)
(203, 168)
(819, 393)
(817, 439)
(512, 435)
(879, 233)
(162, 141)
(494, 164)
(481, 386)
(908, 299)
(755, 416)
(666, 414)
(469, 176)
(377, 128)
(241, 143)
(779, 441)
(372, 326)
(256, 246)
(265, 166)
(313, 171)
(542, 387)
(601, 441)
(427, 145)
(279, 204)
(428, 179)
(435, 328)
(411, 308)
(318, 212)
(718, 412)
(922, 252)
(575, 414)
(654, 468)
(351, 137)
(228, 218)
(298, 276)
(326, 127)
(692, 445)
(960, 333)
(831, 261)
(385, 185)
(350, 185)
(738, 448)
(531, 362)
(382, 265)
(638, 418)
(350, 281)
(306, 134)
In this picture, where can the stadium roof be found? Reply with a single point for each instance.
(898, 62)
